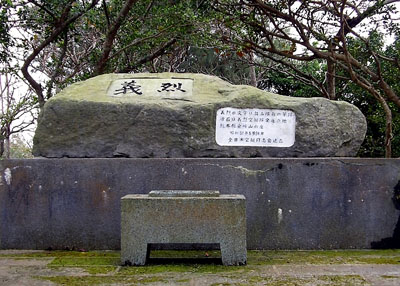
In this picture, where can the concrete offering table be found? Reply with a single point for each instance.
(183, 217)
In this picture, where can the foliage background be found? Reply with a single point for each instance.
(47, 45)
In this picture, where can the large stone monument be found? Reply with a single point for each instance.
(191, 115)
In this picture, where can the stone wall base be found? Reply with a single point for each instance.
(308, 203)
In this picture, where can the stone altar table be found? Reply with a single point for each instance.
(183, 217)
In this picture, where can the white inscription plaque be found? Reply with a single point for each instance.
(255, 127)
(167, 88)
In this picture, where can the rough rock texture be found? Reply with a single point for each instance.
(83, 121)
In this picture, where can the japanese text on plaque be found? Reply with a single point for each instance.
(255, 127)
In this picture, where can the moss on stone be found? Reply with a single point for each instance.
(85, 261)
(102, 267)
(266, 257)
(62, 253)
(390, 276)
(190, 268)
(100, 280)
(336, 280)
(185, 254)
(324, 257)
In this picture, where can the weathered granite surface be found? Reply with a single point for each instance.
(183, 219)
(83, 121)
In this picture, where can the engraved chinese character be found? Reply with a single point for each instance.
(130, 87)
(166, 86)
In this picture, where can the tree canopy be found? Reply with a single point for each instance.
(342, 50)
(336, 32)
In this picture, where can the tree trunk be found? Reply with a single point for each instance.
(253, 78)
(1, 147)
(388, 131)
(252, 72)
(7, 148)
(330, 79)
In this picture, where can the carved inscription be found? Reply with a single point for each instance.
(255, 127)
(167, 88)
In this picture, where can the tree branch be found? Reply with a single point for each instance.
(59, 28)
(150, 57)
(111, 34)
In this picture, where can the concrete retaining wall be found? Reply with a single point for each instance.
(321, 203)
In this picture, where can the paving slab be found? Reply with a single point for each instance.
(273, 268)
